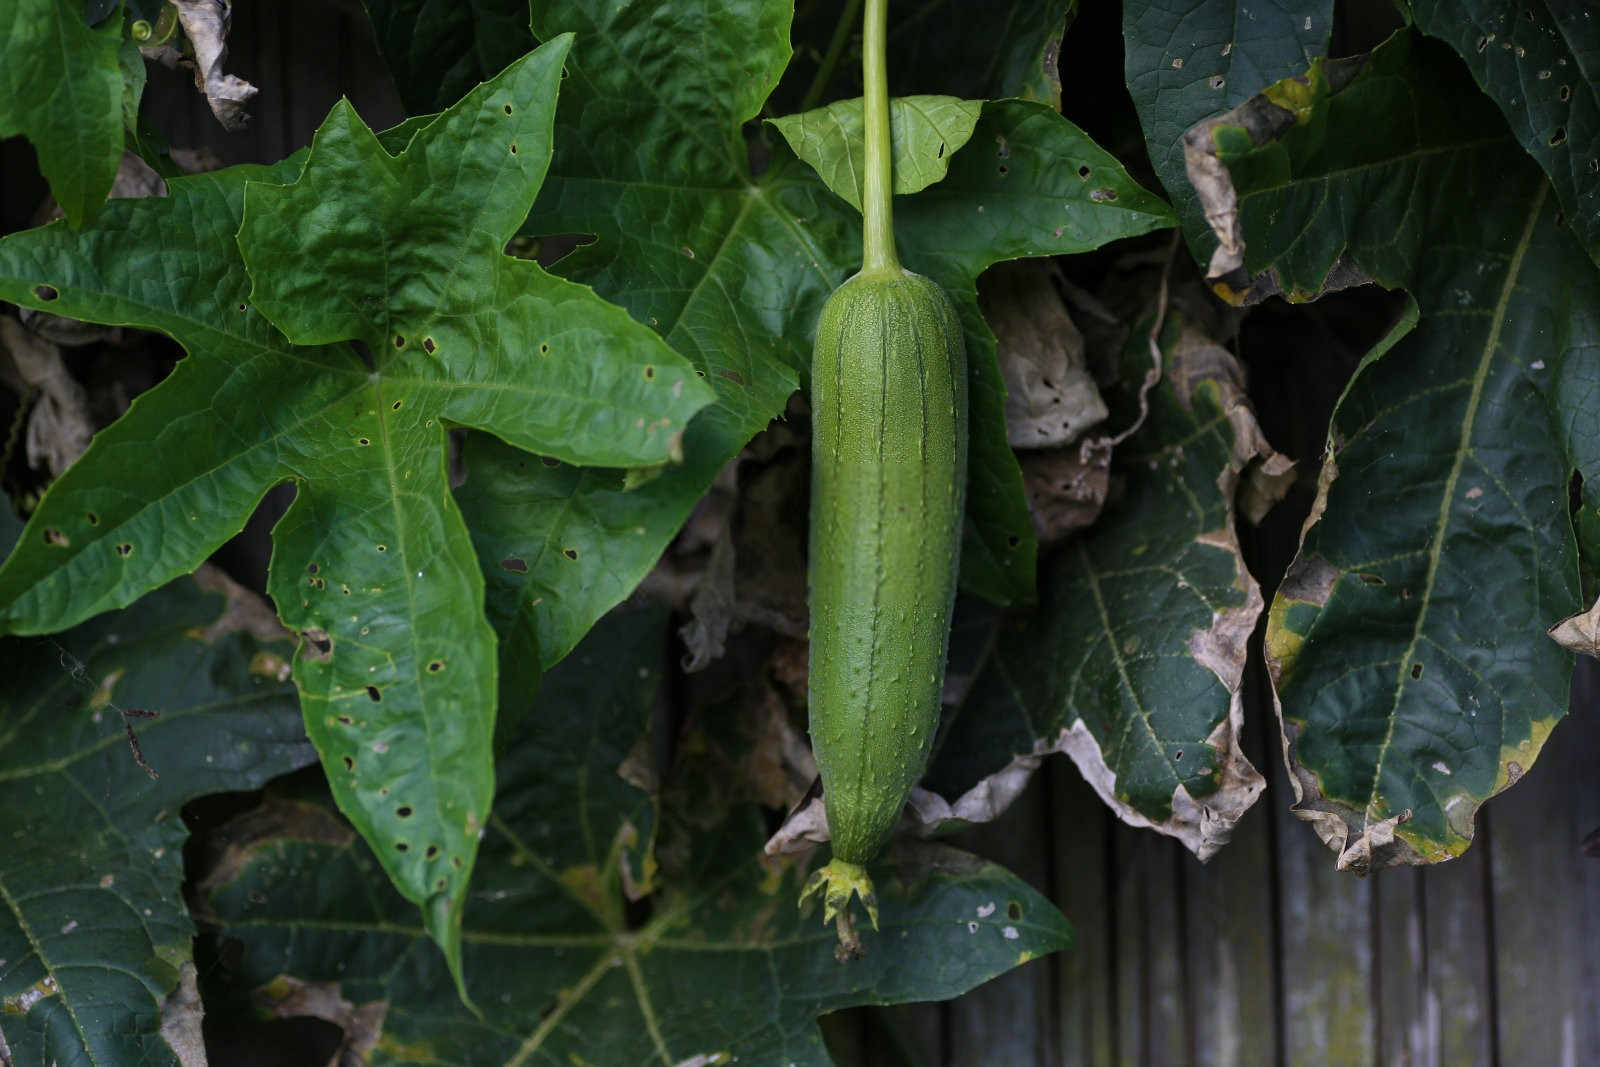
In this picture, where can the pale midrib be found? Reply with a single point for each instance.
(38, 950)
(546, 1027)
(642, 995)
(1143, 715)
(1463, 446)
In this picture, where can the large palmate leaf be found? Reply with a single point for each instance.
(1408, 638)
(372, 562)
(724, 970)
(1540, 63)
(61, 87)
(1131, 663)
(1187, 60)
(93, 928)
(732, 269)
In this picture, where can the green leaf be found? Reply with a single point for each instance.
(1132, 662)
(372, 563)
(61, 87)
(1408, 640)
(1540, 63)
(438, 51)
(926, 131)
(725, 968)
(93, 927)
(1185, 62)
(732, 270)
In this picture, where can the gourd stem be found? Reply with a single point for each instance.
(877, 189)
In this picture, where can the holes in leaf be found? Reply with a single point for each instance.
(399, 341)
(402, 846)
(312, 568)
(46, 292)
(1373, 579)
(507, 109)
(1084, 172)
(397, 405)
(514, 565)
(940, 154)
(320, 642)
(544, 348)
(1565, 93)
(346, 720)
(1004, 170)
(1416, 672)
(1217, 81)
(1558, 138)
(550, 461)
(441, 883)
(428, 346)
(513, 148)
(1102, 196)
(93, 519)
(383, 548)
(403, 811)
(649, 372)
(55, 538)
(1013, 541)
(1014, 911)
(363, 441)
(242, 309)
(432, 853)
(374, 694)
(570, 553)
(455, 861)
(435, 666)
(345, 589)
(124, 550)
(349, 763)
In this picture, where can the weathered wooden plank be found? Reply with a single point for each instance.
(1326, 949)
(1153, 1024)
(1084, 1011)
(1458, 996)
(1546, 896)
(1228, 906)
(1400, 967)
(1007, 1020)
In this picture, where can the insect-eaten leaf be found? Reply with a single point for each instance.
(1407, 643)
(1132, 662)
(95, 933)
(711, 964)
(396, 316)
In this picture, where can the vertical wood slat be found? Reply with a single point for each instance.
(1457, 999)
(1546, 896)
(1152, 1026)
(1326, 953)
(1086, 976)
(1007, 1019)
(1232, 977)
(1400, 967)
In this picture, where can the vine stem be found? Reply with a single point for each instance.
(830, 58)
(878, 254)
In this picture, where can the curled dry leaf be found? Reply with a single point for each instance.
(205, 23)
(59, 426)
(1050, 397)
(1262, 118)
(1580, 632)
(181, 1015)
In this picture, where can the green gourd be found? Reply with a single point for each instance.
(889, 457)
